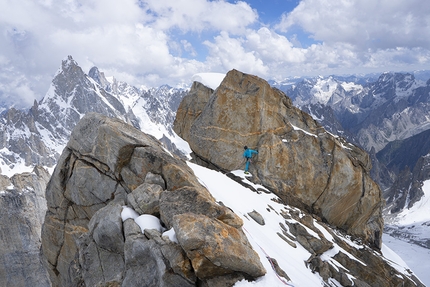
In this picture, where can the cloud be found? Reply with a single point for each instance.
(199, 15)
(155, 42)
(364, 24)
(227, 53)
(136, 39)
(272, 47)
(16, 89)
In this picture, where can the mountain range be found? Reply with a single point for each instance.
(38, 135)
(387, 115)
(374, 112)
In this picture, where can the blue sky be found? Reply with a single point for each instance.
(154, 42)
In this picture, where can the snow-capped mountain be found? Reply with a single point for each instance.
(37, 136)
(393, 107)
(370, 113)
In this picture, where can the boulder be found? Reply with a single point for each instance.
(197, 201)
(4, 182)
(298, 160)
(106, 165)
(146, 266)
(191, 107)
(107, 228)
(155, 179)
(227, 252)
(257, 217)
(96, 265)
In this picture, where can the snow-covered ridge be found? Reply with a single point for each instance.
(265, 239)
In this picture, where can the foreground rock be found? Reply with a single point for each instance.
(298, 160)
(22, 210)
(108, 164)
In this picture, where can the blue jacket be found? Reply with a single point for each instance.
(248, 153)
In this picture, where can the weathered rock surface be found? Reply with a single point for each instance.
(22, 210)
(108, 164)
(298, 160)
(225, 252)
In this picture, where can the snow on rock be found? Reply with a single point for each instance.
(147, 221)
(324, 89)
(171, 235)
(127, 213)
(211, 80)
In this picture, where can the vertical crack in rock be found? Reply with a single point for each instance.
(331, 167)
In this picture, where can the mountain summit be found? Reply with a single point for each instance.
(37, 136)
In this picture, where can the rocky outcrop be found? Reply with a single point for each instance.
(354, 266)
(22, 210)
(86, 240)
(298, 160)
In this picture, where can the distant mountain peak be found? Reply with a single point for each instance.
(68, 63)
(38, 135)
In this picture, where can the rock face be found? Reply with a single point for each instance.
(108, 164)
(22, 210)
(298, 160)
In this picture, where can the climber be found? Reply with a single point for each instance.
(247, 154)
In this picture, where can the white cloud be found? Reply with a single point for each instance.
(272, 47)
(15, 89)
(154, 42)
(132, 38)
(199, 15)
(227, 53)
(374, 24)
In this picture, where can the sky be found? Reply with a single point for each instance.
(157, 42)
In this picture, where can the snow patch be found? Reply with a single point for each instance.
(127, 213)
(147, 221)
(299, 129)
(211, 80)
(171, 235)
(351, 86)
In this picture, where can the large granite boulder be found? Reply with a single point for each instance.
(86, 241)
(298, 160)
(215, 255)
